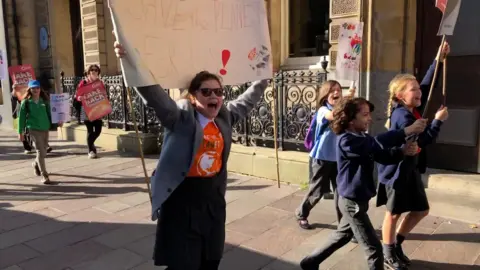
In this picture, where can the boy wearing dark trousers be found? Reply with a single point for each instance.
(356, 153)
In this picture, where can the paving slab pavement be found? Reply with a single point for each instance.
(97, 217)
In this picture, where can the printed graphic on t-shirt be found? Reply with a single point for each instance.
(208, 160)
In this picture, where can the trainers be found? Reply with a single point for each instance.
(394, 263)
(46, 180)
(354, 240)
(28, 152)
(36, 169)
(401, 255)
(49, 149)
(92, 155)
(303, 223)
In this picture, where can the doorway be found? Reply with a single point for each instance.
(458, 146)
(77, 38)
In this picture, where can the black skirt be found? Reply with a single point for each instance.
(191, 227)
(408, 192)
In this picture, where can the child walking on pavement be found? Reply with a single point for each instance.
(35, 116)
(400, 185)
(323, 165)
(356, 152)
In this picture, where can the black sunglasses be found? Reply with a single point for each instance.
(206, 92)
(94, 69)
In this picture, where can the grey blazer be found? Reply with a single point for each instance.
(183, 135)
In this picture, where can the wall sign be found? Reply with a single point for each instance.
(43, 38)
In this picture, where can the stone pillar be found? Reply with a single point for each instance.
(45, 58)
(390, 28)
(61, 41)
(97, 36)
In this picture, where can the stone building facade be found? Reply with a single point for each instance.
(398, 37)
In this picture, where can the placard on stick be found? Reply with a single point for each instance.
(21, 75)
(95, 100)
(169, 41)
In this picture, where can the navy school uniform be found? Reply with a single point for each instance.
(356, 154)
(400, 185)
(389, 190)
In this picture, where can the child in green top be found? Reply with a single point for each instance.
(35, 116)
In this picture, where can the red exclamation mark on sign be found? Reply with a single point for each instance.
(225, 58)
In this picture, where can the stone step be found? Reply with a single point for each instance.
(453, 182)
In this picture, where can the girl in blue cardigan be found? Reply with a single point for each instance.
(322, 165)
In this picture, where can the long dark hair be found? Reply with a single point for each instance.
(43, 94)
(197, 81)
(345, 111)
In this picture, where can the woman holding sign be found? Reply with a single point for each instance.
(94, 127)
(191, 176)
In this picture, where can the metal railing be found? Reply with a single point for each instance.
(296, 93)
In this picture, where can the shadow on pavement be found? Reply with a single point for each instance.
(124, 240)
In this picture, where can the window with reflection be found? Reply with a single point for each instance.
(308, 28)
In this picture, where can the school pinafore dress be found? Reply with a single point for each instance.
(191, 227)
(407, 193)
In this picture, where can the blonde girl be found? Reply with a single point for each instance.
(323, 163)
(400, 185)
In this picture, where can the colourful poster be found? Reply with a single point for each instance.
(95, 100)
(349, 51)
(60, 108)
(168, 42)
(21, 75)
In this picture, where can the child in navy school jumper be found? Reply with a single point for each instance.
(356, 152)
(323, 165)
(400, 185)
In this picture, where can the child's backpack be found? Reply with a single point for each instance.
(310, 133)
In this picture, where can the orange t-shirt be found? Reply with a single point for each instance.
(208, 160)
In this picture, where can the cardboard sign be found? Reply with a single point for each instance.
(60, 108)
(95, 100)
(21, 75)
(349, 51)
(450, 9)
(169, 42)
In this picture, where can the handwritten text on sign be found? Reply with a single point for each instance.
(60, 108)
(169, 41)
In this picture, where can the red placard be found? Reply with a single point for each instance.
(21, 75)
(95, 100)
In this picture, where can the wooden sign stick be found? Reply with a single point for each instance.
(147, 180)
(275, 128)
(444, 86)
(434, 78)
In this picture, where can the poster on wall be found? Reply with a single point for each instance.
(3, 65)
(95, 100)
(168, 42)
(21, 75)
(349, 51)
(60, 108)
